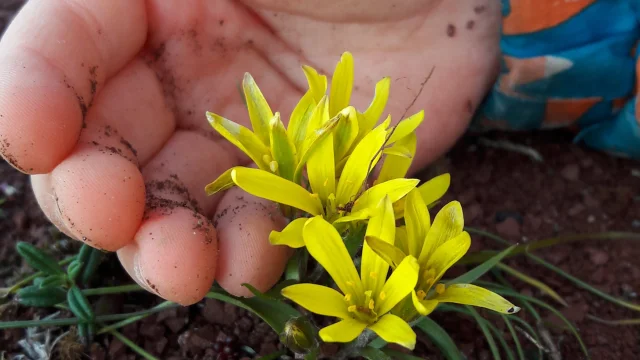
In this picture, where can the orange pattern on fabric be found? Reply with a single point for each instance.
(560, 112)
(529, 16)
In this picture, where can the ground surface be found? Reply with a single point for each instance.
(573, 191)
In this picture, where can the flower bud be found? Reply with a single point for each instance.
(299, 335)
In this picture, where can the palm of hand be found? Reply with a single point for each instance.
(106, 102)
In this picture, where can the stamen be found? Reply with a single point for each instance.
(372, 304)
(266, 158)
(421, 294)
(368, 293)
(382, 295)
(430, 281)
(273, 166)
(347, 297)
(352, 308)
(440, 288)
(429, 273)
(326, 181)
(373, 275)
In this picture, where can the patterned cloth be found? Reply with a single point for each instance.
(569, 63)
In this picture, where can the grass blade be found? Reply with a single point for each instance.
(440, 338)
(621, 322)
(485, 330)
(584, 285)
(475, 273)
(132, 345)
(533, 282)
(514, 335)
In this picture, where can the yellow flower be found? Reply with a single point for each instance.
(365, 300)
(437, 247)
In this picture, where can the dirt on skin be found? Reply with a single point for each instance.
(574, 190)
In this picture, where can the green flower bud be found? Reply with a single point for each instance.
(299, 335)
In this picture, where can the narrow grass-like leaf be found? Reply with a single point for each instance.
(533, 282)
(531, 335)
(38, 259)
(274, 312)
(140, 351)
(371, 353)
(397, 355)
(272, 356)
(482, 256)
(584, 285)
(501, 339)
(475, 273)
(543, 304)
(487, 333)
(91, 264)
(621, 322)
(514, 335)
(440, 338)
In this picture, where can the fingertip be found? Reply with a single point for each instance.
(174, 255)
(243, 223)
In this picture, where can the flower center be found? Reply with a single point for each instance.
(366, 310)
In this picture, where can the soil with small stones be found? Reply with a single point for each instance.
(574, 191)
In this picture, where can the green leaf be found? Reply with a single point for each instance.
(475, 273)
(295, 270)
(533, 282)
(371, 353)
(86, 332)
(276, 313)
(38, 259)
(399, 355)
(273, 356)
(73, 270)
(514, 336)
(91, 264)
(79, 305)
(52, 281)
(619, 322)
(485, 330)
(440, 338)
(41, 296)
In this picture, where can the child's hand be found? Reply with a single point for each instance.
(104, 103)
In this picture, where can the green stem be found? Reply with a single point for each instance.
(125, 322)
(74, 321)
(132, 345)
(113, 290)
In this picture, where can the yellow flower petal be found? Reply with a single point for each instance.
(417, 220)
(223, 182)
(318, 299)
(282, 148)
(341, 84)
(396, 189)
(314, 137)
(447, 224)
(448, 254)
(374, 269)
(360, 162)
(393, 329)
(326, 246)
(389, 253)
(355, 216)
(272, 187)
(468, 294)
(299, 120)
(407, 126)
(317, 82)
(375, 109)
(402, 242)
(435, 188)
(241, 137)
(346, 132)
(423, 307)
(291, 235)
(321, 170)
(397, 165)
(400, 284)
(343, 331)
(259, 111)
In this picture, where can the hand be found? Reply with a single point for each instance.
(103, 103)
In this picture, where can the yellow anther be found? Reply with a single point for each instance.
(326, 181)
(347, 297)
(430, 281)
(440, 288)
(352, 308)
(368, 293)
(382, 295)
(373, 275)
(266, 158)
(273, 166)
(372, 304)
(430, 273)
(421, 294)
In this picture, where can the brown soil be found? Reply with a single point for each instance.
(573, 191)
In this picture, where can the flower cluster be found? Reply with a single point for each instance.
(319, 170)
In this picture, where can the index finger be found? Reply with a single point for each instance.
(54, 58)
